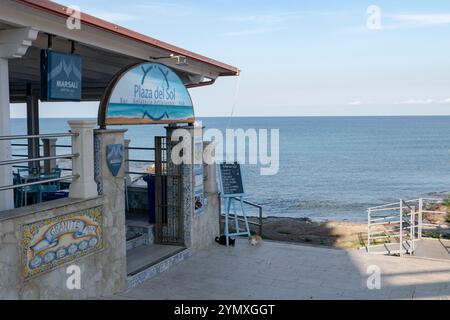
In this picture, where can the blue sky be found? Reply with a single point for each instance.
(301, 57)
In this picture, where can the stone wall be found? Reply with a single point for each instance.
(102, 272)
(204, 227)
(24, 271)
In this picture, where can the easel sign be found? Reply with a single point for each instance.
(232, 191)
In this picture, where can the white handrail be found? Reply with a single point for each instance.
(406, 225)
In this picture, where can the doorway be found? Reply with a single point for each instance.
(169, 195)
(154, 215)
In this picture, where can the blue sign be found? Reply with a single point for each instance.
(147, 93)
(61, 76)
(114, 157)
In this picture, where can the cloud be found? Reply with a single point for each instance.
(136, 12)
(425, 101)
(393, 21)
(418, 101)
(254, 24)
(117, 17)
(167, 9)
(404, 102)
(418, 20)
(272, 18)
(413, 20)
(251, 32)
(259, 23)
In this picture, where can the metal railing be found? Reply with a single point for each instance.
(37, 159)
(46, 148)
(38, 136)
(260, 217)
(129, 160)
(63, 156)
(16, 186)
(398, 221)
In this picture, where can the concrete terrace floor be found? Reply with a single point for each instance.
(275, 270)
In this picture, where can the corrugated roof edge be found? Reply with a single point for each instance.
(61, 10)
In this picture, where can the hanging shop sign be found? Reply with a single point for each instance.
(147, 93)
(114, 157)
(61, 76)
(231, 179)
(50, 243)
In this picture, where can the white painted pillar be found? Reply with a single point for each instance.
(85, 186)
(14, 43)
(6, 197)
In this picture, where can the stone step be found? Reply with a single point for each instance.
(136, 242)
(156, 267)
(139, 234)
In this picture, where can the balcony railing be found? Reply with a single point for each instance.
(45, 158)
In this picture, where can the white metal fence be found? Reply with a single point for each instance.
(394, 228)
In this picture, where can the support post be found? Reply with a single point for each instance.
(230, 201)
(83, 187)
(411, 230)
(260, 228)
(6, 178)
(14, 43)
(33, 127)
(368, 230)
(401, 228)
(420, 218)
(49, 151)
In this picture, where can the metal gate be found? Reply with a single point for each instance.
(169, 196)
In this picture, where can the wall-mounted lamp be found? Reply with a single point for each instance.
(181, 60)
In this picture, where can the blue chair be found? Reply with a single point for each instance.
(34, 190)
(51, 187)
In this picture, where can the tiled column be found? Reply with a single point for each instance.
(126, 163)
(113, 192)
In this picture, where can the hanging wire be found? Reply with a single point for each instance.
(236, 96)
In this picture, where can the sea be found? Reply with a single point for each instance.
(330, 168)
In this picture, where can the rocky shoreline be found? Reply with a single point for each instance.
(337, 234)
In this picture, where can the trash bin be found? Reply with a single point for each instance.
(150, 179)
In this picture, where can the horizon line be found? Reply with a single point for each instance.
(274, 116)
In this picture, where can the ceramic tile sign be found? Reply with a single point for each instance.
(147, 93)
(114, 158)
(50, 243)
(231, 179)
(61, 76)
(199, 194)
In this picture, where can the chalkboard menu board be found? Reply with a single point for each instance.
(231, 178)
